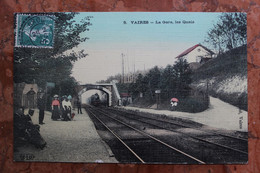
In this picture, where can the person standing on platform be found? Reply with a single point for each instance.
(66, 104)
(55, 108)
(41, 107)
(79, 106)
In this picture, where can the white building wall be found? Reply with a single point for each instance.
(194, 55)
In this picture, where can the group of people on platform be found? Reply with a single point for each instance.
(61, 108)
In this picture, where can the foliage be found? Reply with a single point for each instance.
(154, 81)
(168, 83)
(173, 80)
(227, 64)
(193, 105)
(41, 65)
(228, 33)
(141, 83)
(65, 87)
(138, 86)
(224, 68)
(111, 78)
(182, 75)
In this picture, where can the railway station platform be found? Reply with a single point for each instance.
(67, 141)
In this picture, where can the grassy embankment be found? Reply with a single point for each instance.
(226, 77)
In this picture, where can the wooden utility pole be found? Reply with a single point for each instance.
(123, 69)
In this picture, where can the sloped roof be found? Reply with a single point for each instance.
(125, 95)
(191, 49)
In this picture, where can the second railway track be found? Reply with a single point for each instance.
(148, 140)
(230, 142)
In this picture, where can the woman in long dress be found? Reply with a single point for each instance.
(55, 108)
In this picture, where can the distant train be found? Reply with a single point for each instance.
(95, 100)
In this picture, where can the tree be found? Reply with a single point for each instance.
(41, 65)
(116, 77)
(228, 33)
(138, 86)
(182, 75)
(154, 80)
(65, 87)
(141, 84)
(168, 83)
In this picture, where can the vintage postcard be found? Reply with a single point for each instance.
(131, 87)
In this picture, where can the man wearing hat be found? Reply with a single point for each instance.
(41, 107)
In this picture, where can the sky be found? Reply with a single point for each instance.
(120, 36)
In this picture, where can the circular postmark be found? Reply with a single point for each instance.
(35, 31)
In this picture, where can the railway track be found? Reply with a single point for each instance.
(189, 148)
(230, 142)
(172, 121)
(174, 155)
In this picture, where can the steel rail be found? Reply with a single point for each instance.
(204, 140)
(234, 137)
(220, 145)
(117, 136)
(169, 146)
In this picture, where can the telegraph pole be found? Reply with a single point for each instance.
(123, 69)
(134, 73)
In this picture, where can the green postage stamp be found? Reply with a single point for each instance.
(34, 31)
